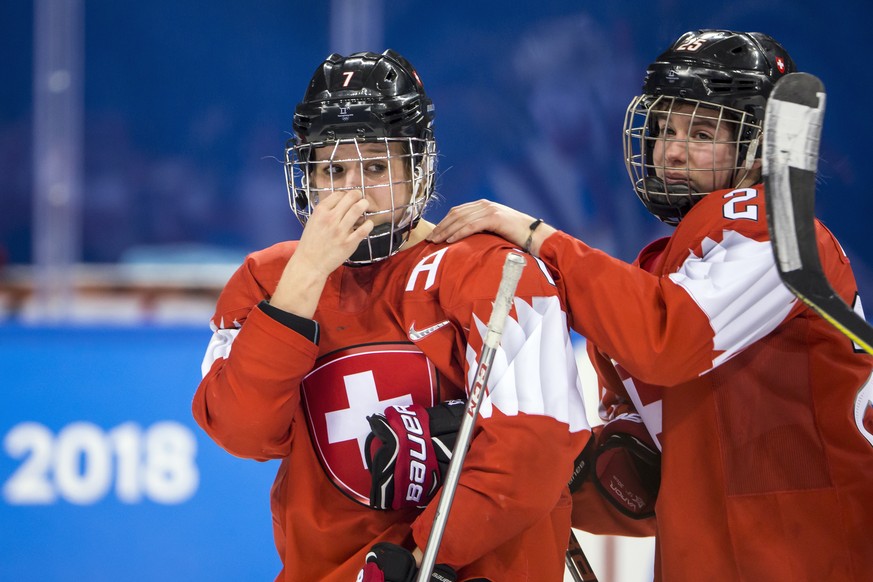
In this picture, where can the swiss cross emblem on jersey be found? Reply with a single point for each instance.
(347, 386)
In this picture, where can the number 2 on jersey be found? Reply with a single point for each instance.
(736, 208)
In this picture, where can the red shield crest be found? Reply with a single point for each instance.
(347, 386)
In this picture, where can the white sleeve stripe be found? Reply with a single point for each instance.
(544, 270)
(736, 284)
(534, 370)
(219, 347)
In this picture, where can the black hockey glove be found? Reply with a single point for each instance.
(627, 466)
(391, 563)
(408, 452)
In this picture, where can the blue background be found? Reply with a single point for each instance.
(108, 377)
(187, 108)
(188, 105)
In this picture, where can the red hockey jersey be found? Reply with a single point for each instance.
(408, 329)
(762, 408)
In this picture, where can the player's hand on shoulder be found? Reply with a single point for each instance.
(483, 216)
(388, 562)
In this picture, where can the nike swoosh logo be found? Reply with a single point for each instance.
(418, 335)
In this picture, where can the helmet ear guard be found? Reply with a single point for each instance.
(753, 151)
(297, 181)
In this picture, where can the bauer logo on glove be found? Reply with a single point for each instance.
(408, 452)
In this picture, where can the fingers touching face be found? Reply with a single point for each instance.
(378, 171)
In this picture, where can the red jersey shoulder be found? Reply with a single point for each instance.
(254, 281)
(829, 246)
(474, 266)
(264, 264)
(648, 258)
(836, 265)
(741, 210)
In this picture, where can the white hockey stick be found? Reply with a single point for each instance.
(792, 130)
(512, 268)
(577, 563)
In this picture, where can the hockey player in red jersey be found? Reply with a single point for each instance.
(329, 351)
(761, 409)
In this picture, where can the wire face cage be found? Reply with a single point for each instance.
(678, 150)
(396, 175)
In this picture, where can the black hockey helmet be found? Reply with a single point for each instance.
(364, 96)
(734, 69)
(730, 72)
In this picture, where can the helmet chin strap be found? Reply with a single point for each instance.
(658, 186)
(382, 242)
(668, 208)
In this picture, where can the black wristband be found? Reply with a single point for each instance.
(308, 328)
(533, 226)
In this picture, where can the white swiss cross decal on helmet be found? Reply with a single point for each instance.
(348, 386)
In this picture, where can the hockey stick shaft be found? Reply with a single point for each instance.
(512, 269)
(577, 562)
(792, 130)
